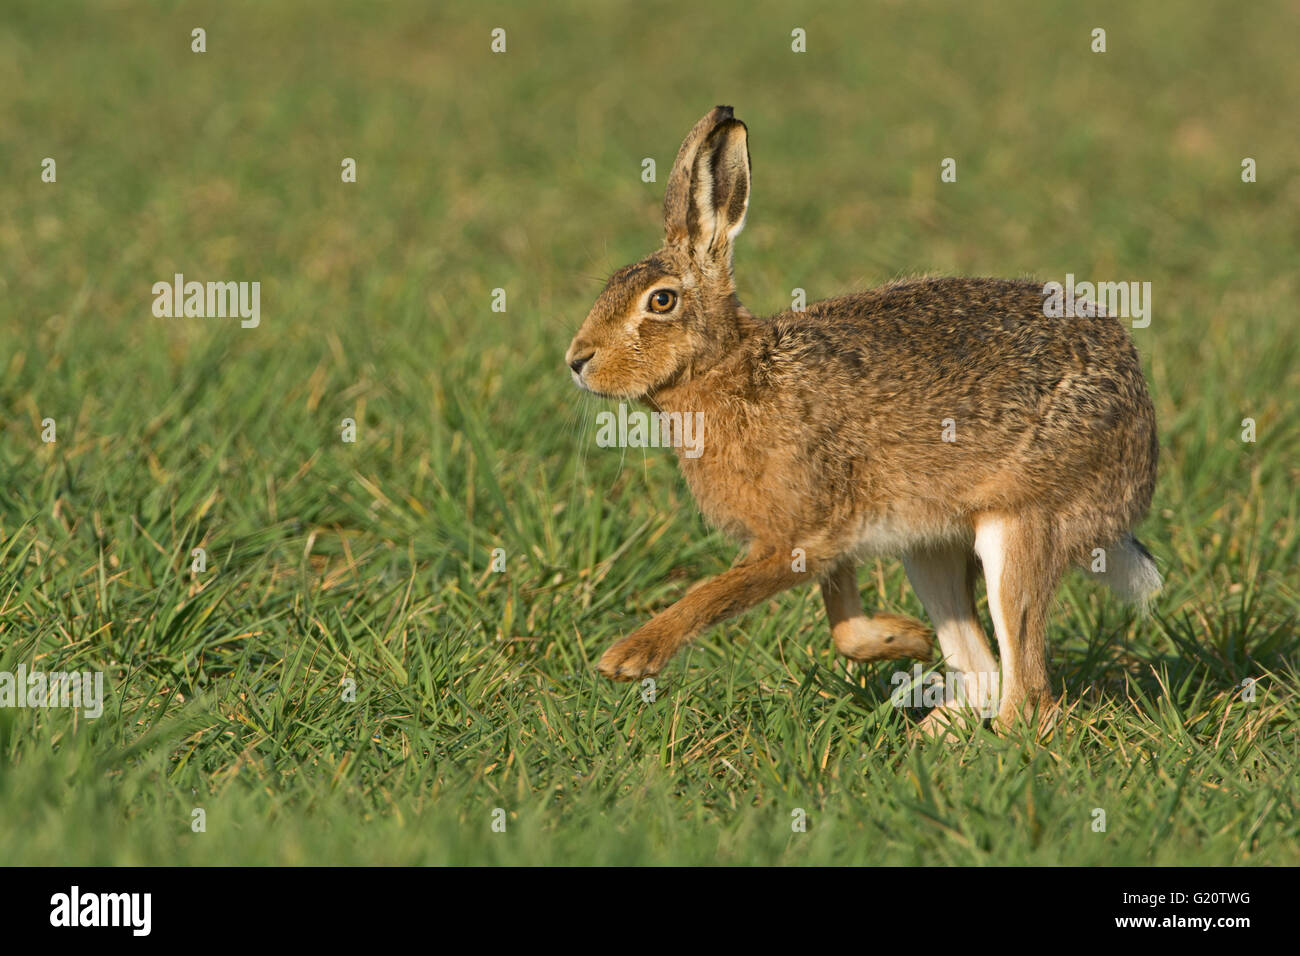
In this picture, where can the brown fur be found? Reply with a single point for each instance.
(823, 429)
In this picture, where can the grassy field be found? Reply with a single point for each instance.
(365, 566)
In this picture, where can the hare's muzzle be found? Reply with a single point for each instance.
(577, 359)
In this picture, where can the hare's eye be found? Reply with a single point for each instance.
(662, 300)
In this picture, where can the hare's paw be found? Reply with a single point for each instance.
(949, 723)
(884, 637)
(636, 656)
(1039, 712)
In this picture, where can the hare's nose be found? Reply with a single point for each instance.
(578, 363)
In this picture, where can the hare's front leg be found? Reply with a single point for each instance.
(883, 637)
(644, 652)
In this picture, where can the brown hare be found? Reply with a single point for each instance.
(940, 420)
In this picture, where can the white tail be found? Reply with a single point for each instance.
(1130, 572)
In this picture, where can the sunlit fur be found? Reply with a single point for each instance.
(825, 435)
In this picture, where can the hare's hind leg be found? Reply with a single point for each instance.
(943, 577)
(861, 638)
(1022, 566)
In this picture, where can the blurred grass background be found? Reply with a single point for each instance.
(369, 561)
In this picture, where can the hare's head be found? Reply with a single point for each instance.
(675, 313)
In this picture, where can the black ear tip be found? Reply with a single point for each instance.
(727, 111)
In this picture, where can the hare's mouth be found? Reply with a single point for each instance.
(580, 381)
(577, 380)
(578, 370)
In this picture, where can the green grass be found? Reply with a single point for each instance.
(370, 562)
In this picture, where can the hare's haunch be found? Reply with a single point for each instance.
(942, 420)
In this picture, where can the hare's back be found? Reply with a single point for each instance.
(966, 381)
(985, 344)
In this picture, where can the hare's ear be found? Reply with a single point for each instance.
(708, 189)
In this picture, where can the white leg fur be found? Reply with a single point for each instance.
(939, 576)
(990, 546)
